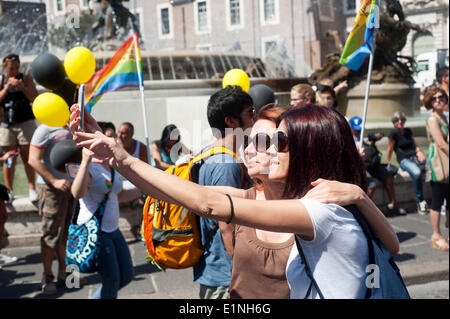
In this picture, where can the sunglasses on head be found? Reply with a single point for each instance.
(263, 141)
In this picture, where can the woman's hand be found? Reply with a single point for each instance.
(333, 192)
(105, 149)
(90, 124)
(87, 156)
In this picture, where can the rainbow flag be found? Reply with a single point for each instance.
(121, 71)
(359, 42)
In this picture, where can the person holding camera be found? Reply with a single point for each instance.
(382, 172)
(17, 92)
(409, 156)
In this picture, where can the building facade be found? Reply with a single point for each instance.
(287, 31)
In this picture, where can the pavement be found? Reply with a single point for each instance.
(418, 263)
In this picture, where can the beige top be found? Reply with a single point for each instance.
(259, 268)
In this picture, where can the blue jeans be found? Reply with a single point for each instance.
(115, 265)
(415, 171)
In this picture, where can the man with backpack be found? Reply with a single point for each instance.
(229, 111)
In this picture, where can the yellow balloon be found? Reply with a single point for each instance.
(236, 77)
(51, 109)
(79, 64)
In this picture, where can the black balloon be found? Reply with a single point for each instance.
(64, 152)
(261, 95)
(48, 71)
(68, 91)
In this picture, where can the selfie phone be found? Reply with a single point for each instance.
(81, 104)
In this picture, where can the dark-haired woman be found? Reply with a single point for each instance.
(332, 240)
(162, 155)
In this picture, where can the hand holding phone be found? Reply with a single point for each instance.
(81, 104)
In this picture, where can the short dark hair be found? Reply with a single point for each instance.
(321, 145)
(230, 101)
(128, 124)
(106, 125)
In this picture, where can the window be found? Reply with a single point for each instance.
(269, 45)
(84, 4)
(422, 43)
(165, 21)
(59, 5)
(235, 15)
(202, 16)
(326, 10)
(269, 12)
(349, 6)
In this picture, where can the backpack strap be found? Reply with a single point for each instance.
(308, 271)
(213, 151)
(367, 232)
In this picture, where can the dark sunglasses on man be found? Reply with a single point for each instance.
(263, 141)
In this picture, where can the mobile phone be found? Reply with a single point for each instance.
(72, 169)
(81, 104)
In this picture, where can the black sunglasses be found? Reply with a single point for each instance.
(263, 141)
(442, 98)
(11, 57)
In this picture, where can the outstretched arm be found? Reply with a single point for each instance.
(333, 192)
(294, 217)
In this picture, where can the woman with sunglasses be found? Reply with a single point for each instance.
(299, 162)
(17, 92)
(437, 129)
(409, 156)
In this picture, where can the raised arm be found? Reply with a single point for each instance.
(293, 218)
(80, 183)
(333, 192)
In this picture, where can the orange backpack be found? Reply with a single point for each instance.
(171, 232)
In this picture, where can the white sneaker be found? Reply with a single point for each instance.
(443, 210)
(422, 207)
(4, 259)
(33, 195)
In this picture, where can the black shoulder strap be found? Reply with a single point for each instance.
(367, 232)
(101, 209)
(308, 271)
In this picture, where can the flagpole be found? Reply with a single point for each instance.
(376, 25)
(366, 98)
(141, 89)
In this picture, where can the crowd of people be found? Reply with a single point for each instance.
(250, 244)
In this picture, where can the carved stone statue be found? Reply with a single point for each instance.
(389, 66)
(117, 21)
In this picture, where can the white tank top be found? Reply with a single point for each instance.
(100, 184)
